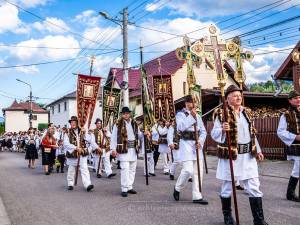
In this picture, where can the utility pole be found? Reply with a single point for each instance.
(125, 58)
(123, 23)
(30, 102)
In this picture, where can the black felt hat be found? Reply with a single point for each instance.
(98, 120)
(125, 109)
(188, 98)
(73, 118)
(293, 94)
(232, 88)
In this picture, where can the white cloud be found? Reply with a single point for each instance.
(32, 3)
(9, 18)
(28, 70)
(103, 63)
(48, 25)
(88, 17)
(263, 66)
(39, 54)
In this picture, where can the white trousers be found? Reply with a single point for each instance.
(251, 187)
(85, 175)
(189, 169)
(173, 167)
(166, 165)
(106, 162)
(150, 163)
(296, 168)
(128, 169)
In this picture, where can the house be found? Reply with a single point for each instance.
(289, 70)
(63, 108)
(170, 65)
(16, 116)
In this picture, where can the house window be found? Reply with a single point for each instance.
(59, 108)
(65, 106)
(52, 109)
(34, 117)
(184, 88)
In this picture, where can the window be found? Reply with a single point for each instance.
(184, 87)
(52, 107)
(34, 117)
(59, 108)
(65, 106)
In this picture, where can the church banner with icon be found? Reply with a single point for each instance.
(87, 93)
(111, 104)
(163, 98)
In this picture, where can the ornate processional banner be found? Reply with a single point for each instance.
(163, 97)
(111, 104)
(87, 93)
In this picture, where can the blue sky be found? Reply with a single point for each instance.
(75, 19)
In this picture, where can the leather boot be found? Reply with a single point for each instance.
(226, 208)
(257, 211)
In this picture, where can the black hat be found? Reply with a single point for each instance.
(188, 98)
(98, 120)
(125, 109)
(232, 88)
(73, 118)
(293, 94)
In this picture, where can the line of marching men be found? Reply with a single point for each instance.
(176, 143)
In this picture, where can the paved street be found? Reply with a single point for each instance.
(32, 198)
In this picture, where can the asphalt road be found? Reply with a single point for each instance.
(31, 198)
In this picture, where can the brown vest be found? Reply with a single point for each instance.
(99, 139)
(293, 125)
(222, 148)
(73, 141)
(122, 137)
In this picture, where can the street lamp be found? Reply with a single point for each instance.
(30, 99)
(123, 24)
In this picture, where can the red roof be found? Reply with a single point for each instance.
(169, 66)
(25, 106)
(285, 71)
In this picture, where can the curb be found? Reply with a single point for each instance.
(4, 219)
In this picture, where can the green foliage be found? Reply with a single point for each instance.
(2, 128)
(42, 105)
(269, 87)
(42, 126)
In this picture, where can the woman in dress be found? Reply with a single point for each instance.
(31, 151)
(48, 146)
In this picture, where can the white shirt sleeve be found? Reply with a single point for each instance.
(202, 129)
(287, 137)
(170, 136)
(113, 139)
(217, 132)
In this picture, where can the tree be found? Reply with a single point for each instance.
(269, 87)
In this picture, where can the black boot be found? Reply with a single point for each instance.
(257, 211)
(226, 208)
(290, 193)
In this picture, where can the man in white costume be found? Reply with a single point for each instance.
(245, 151)
(124, 142)
(289, 132)
(76, 141)
(186, 121)
(173, 143)
(102, 136)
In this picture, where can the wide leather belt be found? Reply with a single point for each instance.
(244, 148)
(188, 135)
(131, 144)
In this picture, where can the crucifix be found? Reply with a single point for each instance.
(235, 52)
(218, 53)
(185, 53)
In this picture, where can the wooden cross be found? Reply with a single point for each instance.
(235, 52)
(185, 53)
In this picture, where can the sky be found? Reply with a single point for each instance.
(40, 31)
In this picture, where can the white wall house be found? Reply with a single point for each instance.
(17, 116)
(63, 108)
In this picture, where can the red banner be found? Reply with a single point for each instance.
(87, 94)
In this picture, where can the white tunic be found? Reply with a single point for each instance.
(287, 137)
(68, 147)
(163, 148)
(131, 155)
(187, 148)
(170, 138)
(154, 132)
(245, 166)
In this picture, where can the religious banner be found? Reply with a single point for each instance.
(196, 94)
(296, 69)
(163, 97)
(111, 104)
(87, 93)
